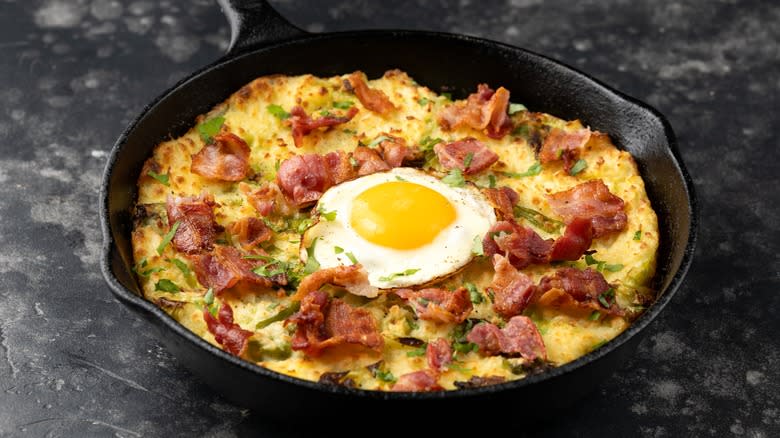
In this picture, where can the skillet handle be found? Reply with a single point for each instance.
(255, 23)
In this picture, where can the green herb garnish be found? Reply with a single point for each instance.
(312, 264)
(161, 177)
(427, 143)
(338, 249)
(595, 315)
(454, 178)
(467, 161)
(182, 266)
(492, 181)
(516, 108)
(328, 216)
(476, 247)
(384, 376)
(378, 140)
(423, 101)
(354, 162)
(150, 271)
(210, 128)
(523, 131)
(474, 294)
(607, 298)
(534, 170)
(537, 219)
(601, 265)
(278, 112)
(598, 345)
(578, 167)
(166, 285)
(464, 347)
(280, 316)
(399, 274)
(417, 352)
(167, 238)
(208, 298)
(351, 258)
(638, 235)
(349, 131)
(344, 104)
(447, 96)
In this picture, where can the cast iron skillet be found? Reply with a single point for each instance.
(264, 43)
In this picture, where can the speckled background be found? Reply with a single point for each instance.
(73, 73)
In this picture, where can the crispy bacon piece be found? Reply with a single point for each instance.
(439, 305)
(564, 145)
(512, 290)
(577, 290)
(225, 268)
(452, 155)
(353, 278)
(302, 124)
(250, 232)
(230, 335)
(418, 381)
(575, 241)
(373, 99)
(485, 109)
(303, 178)
(369, 161)
(267, 199)
(519, 337)
(395, 151)
(322, 323)
(503, 199)
(591, 200)
(225, 157)
(439, 354)
(520, 244)
(197, 227)
(339, 167)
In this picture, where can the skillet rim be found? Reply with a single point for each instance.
(141, 305)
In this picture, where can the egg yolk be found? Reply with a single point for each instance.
(401, 214)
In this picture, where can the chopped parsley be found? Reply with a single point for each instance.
(344, 104)
(280, 316)
(210, 128)
(150, 271)
(417, 352)
(523, 131)
(182, 267)
(474, 294)
(399, 274)
(423, 101)
(578, 167)
(638, 235)
(537, 219)
(208, 298)
(427, 143)
(324, 113)
(601, 266)
(167, 238)
(312, 264)
(338, 249)
(161, 177)
(458, 335)
(492, 181)
(464, 347)
(467, 161)
(533, 170)
(384, 376)
(351, 258)
(598, 345)
(607, 298)
(166, 285)
(278, 112)
(454, 178)
(378, 140)
(349, 131)
(476, 247)
(595, 315)
(328, 215)
(516, 108)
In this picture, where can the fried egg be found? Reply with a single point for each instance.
(404, 226)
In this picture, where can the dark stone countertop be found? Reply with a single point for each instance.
(73, 362)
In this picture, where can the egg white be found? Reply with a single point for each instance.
(450, 250)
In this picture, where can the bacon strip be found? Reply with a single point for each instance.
(225, 268)
(591, 200)
(230, 335)
(576, 290)
(485, 109)
(303, 178)
(395, 152)
(197, 227)
(267, 199)
(512, 290)
(503, 199)
(453, 155)
(418, 381)
(439, 305)
(438, 354)
(519, 337)
(564, 145)
(353, 278)
(369, 161)
(339, 167)
(373, 99)
(521, 245)
(250, 232)
(225, 157)
(322, 323)
(575, 241)
(302, 124)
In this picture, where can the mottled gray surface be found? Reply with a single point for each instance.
(73, 362)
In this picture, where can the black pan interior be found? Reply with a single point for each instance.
(441, 62)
